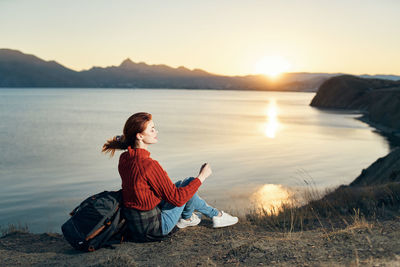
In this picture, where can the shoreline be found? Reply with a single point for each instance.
(391, 135)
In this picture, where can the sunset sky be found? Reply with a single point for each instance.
(223, 37)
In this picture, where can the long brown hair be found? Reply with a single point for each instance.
(135, 124)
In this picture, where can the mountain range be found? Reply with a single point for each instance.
(23, 70)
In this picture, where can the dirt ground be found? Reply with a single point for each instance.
(363, 243)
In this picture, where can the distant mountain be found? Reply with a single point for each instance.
(22, 70)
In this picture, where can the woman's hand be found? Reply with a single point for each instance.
(205, 171)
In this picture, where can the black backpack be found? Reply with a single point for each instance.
(96, 222)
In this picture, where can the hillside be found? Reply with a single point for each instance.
(383, 170)
(21, 70)
(377, 99)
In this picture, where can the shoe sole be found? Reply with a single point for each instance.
(184, 226)
(225, 225)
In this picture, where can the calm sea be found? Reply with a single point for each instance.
(257, 143)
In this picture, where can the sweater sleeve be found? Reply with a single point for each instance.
(166, 189)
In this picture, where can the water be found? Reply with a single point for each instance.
(51, 139)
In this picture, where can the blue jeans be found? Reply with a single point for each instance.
(171, 214)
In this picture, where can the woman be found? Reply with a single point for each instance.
(153, 205)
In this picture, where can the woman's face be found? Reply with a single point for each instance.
(149, 135)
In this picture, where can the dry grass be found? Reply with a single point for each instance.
(360, 224)
(336, 209)
(19, 228)
(117, 260)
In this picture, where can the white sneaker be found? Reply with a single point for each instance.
(193, 221)
(224, 220)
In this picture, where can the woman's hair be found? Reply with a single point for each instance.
(135, 124)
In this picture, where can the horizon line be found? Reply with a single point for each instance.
(194, 69)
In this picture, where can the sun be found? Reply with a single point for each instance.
(272, 66)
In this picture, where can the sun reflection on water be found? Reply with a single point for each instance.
(272, 124)
(270, 197)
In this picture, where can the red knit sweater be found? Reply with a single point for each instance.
(145, 183)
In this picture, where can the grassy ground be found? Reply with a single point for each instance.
(349, 226)
(245, 244)
(331, 210)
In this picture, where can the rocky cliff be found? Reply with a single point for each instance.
(378, 99)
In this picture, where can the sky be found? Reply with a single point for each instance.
(222, 37)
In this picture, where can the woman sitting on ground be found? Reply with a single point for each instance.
(153, 205)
